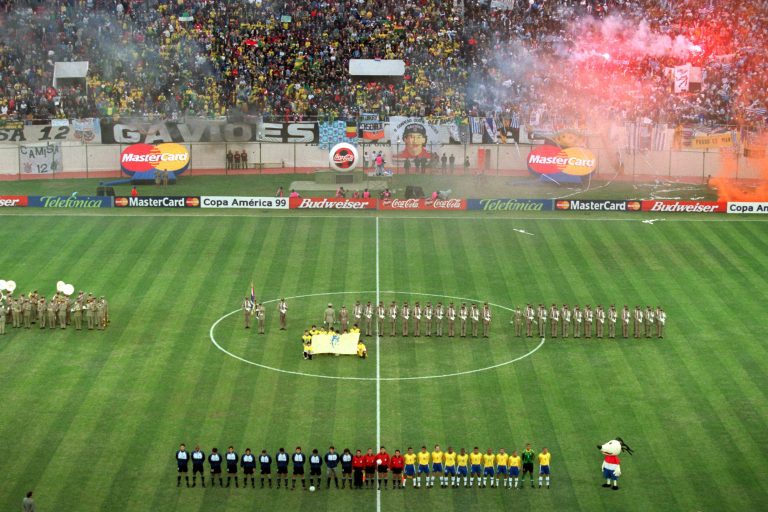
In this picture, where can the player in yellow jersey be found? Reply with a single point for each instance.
(501, 467)
(410, 465)
(450, 467)
(306, 337)
(462, 460)
(423, 458)
(476, 464)
(489, 460)
(544, 458)
(514, 463)
(437, 466)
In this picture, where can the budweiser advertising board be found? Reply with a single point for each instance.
(12, 201)
(331, 203)
(423, 204)
(684, 206)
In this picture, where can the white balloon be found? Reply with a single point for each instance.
(3, 284)
(60, 286)
(69, 289)
(10, 286)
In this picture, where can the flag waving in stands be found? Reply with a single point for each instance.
(253, 295)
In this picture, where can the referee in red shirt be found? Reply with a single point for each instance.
(358, 464)
(396, 464)
(382, 466)
(369, 461)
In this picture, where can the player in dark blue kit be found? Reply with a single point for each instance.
(298, 459)
(346, 468)
(332, 462)
(282, 466)
(198, 460)
(232, 459)
(214, 460)
(315, 468)
(265, 463)
(182, 464)
(248, 463)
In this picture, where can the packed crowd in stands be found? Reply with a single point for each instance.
(288, 60)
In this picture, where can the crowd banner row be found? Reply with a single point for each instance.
(414, 204)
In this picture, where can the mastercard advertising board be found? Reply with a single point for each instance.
(554, 161)
(147, 158)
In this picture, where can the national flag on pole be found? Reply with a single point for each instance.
(253, 295)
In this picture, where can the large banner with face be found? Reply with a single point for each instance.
(414, 137)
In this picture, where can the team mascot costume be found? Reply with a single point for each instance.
(611, 463)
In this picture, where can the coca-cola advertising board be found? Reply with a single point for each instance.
(423, 204)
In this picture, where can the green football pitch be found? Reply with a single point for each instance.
(91, 420)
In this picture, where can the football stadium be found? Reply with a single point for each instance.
(377, 255)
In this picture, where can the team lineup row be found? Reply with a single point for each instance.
(60, 311)
(369, 470)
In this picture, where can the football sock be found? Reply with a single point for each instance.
(194, 481)
(540, 480)
(471, 481)
(547, 481)
(187, 479)
(293, 484)
(236, 483)
(178, 480)
(221, 482)
(202, 481)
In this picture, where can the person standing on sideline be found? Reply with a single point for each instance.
(2, 318)
(329, 317)
(588, 316)
(77, 313)
(315, 468)
(298, 459)
(638, 320)
(282, 308)
(486, 320)
(577, 318)
(392, 318)
(282, 467)
(232, 459)
(428, 318)
(396, 464)
(565, 316)
(439, 313)
(343, 318)
(134, 192)
(265, 465)
(260, 316)
(518, 322)
(612, 316)
(369, 463)
(248, 307)
(358, 464)
(357, 312)
(649, 321)
(368, 313)
(248, 463)
(528, 456)
(27, 503)
(451, 320)
(417, 320)
(346, 468)
(198, 459)
(600, 317)
(280, 192)
(406, 316)
(182, 464)
(475, 317)
(542, 321)
(463, 314)
(544, 458)
(214, 460)
(381, 314)
(382, 467)
(529, 317)
(554, 318)
(331, 462)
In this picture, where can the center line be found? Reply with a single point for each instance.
(378, 366)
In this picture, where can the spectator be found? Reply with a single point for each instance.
(28, 504)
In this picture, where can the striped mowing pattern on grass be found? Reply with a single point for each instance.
(90, 420)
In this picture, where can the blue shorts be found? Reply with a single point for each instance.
(477, 468)
(423, 468)
(437, 467)
(488, 471)
(543, 470)
(502, 470)
(450, 470)
(514, 471)
(609, 474)
(410, 470)
(463, 470)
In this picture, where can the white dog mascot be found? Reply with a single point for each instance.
(611, 463)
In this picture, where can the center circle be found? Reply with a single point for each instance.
(336, 377)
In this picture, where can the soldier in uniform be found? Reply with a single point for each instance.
(405, 314)
(542, 321)
(554, 318)
(486, 320)
(248, 307)
(2, 317)
(625, 317)
(329, 317)
(577, 318)
(368, 314)
(89, 309)
(566, 319)
(62, 312)
(600, 318)
(357, 312)
(392, 318)
(428, 318)
(42, 312)
(474, 316)
(529, 317)
(417, 319)
(282, 309)
(344, 318)
(101, 317)
(77, 313)
(165, 178)
(661, 319)
(16, 313)
(261, 313)
(439, 313)
(518, 321)
(649, 321)
(612, 316)
(34, 298)
(451, 320)
(638, 316)
(381, 315)
(463, 314)
(588, 317)
(26, 313)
